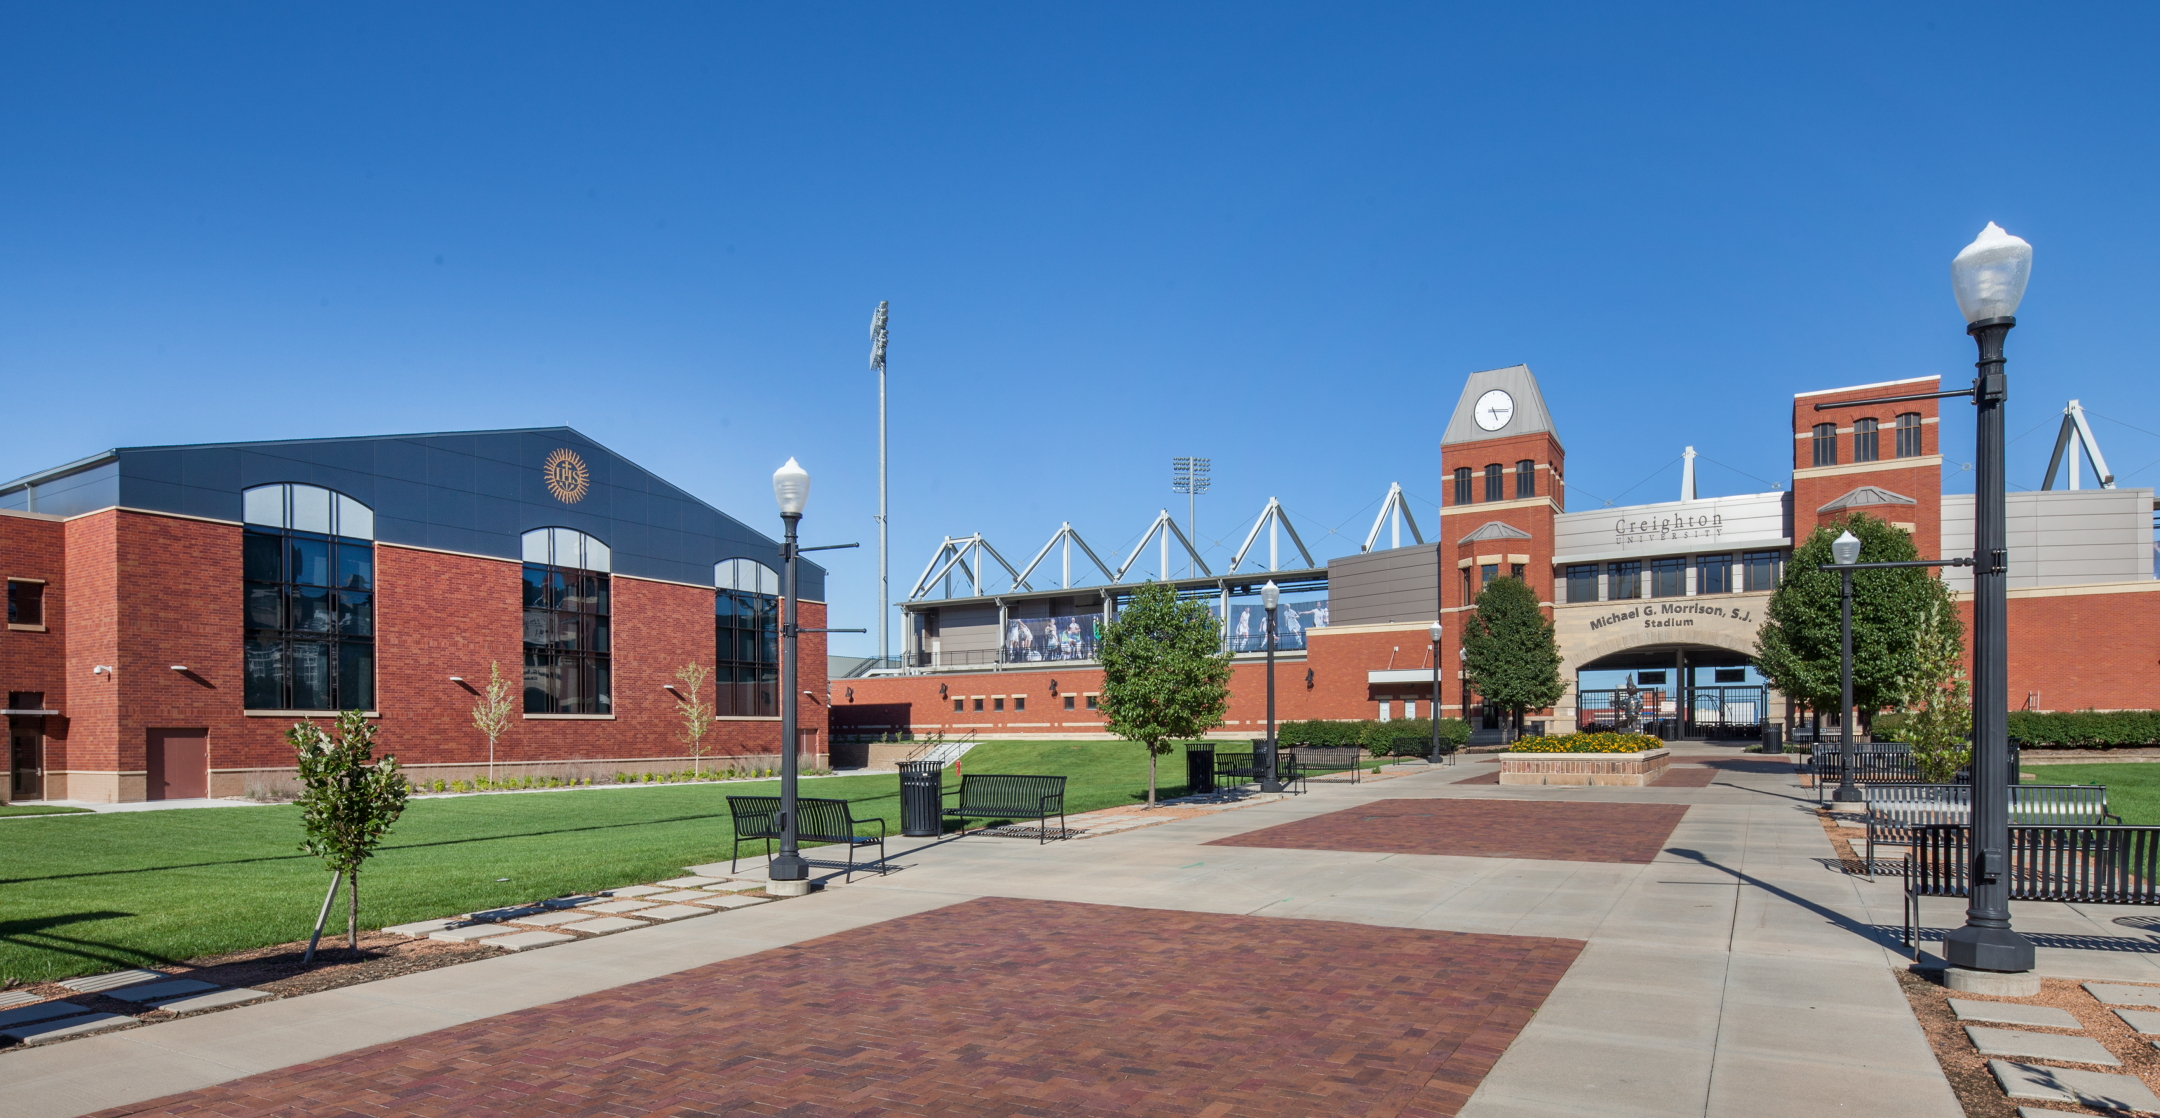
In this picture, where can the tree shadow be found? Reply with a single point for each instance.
(33, 934)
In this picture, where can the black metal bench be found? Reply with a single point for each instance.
(1246, 767)
(821, 821)
(2074, 865)
(1316, 760)
(1012, 798)
(1893, 810)
(1872, 764)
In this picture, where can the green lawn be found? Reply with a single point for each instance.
(41, 809)
(2133, 789)
(80, 896)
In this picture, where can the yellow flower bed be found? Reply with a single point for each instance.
(1588, 743)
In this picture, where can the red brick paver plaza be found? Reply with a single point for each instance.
(986, 1008)
(1564, 832)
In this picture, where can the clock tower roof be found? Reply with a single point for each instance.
(1527, 416)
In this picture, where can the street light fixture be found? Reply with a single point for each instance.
(789, 873)
(1270, 597)
(1846, 550)
(1989, 278)
(1437, 632)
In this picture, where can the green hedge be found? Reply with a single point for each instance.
(1377, 738)
(2061, 729)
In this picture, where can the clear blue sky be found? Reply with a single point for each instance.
(1274, 235)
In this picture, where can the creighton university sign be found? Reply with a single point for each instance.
(1675, 615)
(1751, 520)
(1659, 529)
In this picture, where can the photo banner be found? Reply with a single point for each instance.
(1031, 640)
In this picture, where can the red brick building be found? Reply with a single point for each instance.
(1667, 596)
(173, 610)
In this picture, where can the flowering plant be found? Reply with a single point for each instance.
(1588, 743)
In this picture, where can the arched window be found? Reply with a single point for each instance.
(308, 582)
(1908, 435)
(1462, 485)
(1825, 444)
(746, 629)
(1495, 490)
(1526, 478)
(1866, 444)
(567, 646)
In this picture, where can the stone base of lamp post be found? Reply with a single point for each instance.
(788, 888)
(1992, 983)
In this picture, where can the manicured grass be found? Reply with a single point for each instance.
(41, 809)
(81, 896)
(2133, 789)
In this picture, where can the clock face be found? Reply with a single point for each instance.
(1494, 409)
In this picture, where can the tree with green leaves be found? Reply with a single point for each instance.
(1937, 701)
(348, 801)
(1165, 674)
(1797, 647)
(1511, 657)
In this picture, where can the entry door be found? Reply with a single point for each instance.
(179, 764)
(26, 761)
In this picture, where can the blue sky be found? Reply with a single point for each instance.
(1274, 235)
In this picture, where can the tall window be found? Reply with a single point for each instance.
(1761, 568)
(1908, 435)
(1495, 483)
(1462, 485)
(1865, 447)
(1623, 580)
(1668, 577)
(746, 625)
(1826, 444)
(567, 669)
(1526, 478)
(308, 570)
(1487, 573)
(1713, 574)
(1582, 582)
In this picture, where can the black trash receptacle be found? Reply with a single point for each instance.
(1199, 769)
(922, 798)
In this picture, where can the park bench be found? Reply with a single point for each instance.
(994, 796)
(1874, 763)
(1320, 759)
(1893, 810)
(826, 821)
(2070, 864)
(1246, 767)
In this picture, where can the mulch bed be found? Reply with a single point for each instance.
(1967, 1069)
(990, 1007)
(1565, 832)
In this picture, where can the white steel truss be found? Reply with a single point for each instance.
(1164, 527)
(1398, 504)
(954, 552)
(2074, 426)
(1275, 520)
(1069, 536)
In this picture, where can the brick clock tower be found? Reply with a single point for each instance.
(1501, 470)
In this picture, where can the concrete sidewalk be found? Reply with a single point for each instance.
(1735, 973)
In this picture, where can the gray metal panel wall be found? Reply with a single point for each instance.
(1384, 586)
(967, 628)
(2061, 537)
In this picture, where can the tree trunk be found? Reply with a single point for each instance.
(352, 912)
(1151, 774)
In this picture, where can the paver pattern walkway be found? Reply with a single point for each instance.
(988, 1007)
(1571, 831)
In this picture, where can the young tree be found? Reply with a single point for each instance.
(697, 714)
(1165, 674)
(348, 801)
(491, 715)
(1512, 657)
(1938, 698)
(1797, 648)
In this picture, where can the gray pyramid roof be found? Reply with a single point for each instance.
(1517, 381)
(1864, 496)
(1495, 530)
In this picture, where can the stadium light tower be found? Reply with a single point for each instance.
(1190, 477)
(884, 567)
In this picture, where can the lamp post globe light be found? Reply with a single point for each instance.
(1989, 279)
(789, 873)
(1270, 597)
(1846, 551)
(1436, 633)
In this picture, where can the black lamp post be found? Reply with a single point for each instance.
(1989, 277)
(789, 873)
(1436, 632)
(1270, 597)
(1846, 550)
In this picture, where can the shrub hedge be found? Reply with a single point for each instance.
(1377, 738)
(1591, 742)
(2062, 729)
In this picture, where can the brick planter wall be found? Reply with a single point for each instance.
(1628, 769)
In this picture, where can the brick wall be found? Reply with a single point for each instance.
(35, 548)
(1920, 478)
